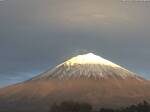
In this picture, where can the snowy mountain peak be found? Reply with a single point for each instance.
(90, 58)
(87, 66)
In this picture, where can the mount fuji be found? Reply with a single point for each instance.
(83, 78)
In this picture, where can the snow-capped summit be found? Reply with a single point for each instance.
(90, 58)
(87, 66)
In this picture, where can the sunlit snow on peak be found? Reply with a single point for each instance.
(90, 58)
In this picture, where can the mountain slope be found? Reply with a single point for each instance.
(39, 95)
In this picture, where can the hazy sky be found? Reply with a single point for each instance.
(38, 34)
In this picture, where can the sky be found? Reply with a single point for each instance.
(36, 35)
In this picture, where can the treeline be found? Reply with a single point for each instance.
(70, 106)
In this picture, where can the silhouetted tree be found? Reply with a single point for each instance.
(106, 110)
(71, 107)
(143, 107)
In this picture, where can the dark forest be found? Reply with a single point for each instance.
(70, 106)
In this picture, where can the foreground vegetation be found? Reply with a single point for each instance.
(85, 107)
